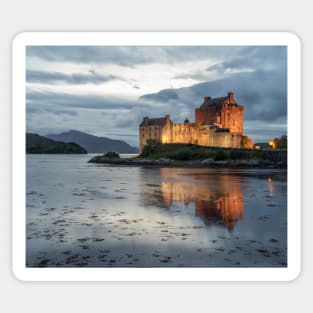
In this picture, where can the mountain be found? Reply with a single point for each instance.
(94, 144)
(40, 144)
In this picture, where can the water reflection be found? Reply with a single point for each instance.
(217, 199)
(271, 187)
(141, 217)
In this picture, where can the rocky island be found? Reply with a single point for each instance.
(188, 155)
(214, 139)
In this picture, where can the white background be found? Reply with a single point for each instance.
(135, 15)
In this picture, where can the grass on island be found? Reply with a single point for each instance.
(154, 150)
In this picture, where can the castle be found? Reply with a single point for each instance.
(218, 123)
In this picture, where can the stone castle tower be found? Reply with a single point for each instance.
(218, 123)
(223, 112)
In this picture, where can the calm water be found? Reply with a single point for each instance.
(81, 214)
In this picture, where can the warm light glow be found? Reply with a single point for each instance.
(271, 187)
(272, 144)
(164, 139)
(210, 203)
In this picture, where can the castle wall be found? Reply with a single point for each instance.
(161, 133)
(204, 135)
(167, 133)
(227, 140)
(185, 133)
(149, 132)
(190, 133)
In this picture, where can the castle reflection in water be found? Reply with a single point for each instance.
(218, 199)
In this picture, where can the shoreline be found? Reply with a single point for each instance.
(206, 163)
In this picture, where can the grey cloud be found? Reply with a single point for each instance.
(63, 112)
(128, 56)
(45, 99)
(163, 95)
(262, 131)
(264, 135)
(94, 114)
(125, 56)
(33, 76)
(246, 59)
(255, 58)
(263, 91)
(31, 110)
(45, 122)
(53, 112)
(122, 134)
(196, 75)
(264, 94)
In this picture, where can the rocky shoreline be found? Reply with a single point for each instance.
(209, 163)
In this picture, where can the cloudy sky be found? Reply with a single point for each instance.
(106, 91)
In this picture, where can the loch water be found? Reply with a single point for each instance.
(80, 214)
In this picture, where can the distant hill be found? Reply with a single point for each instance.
(40, 144)
(94, 144)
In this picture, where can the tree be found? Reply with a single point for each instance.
(279, 143)
(112, 155)
(282, 142)
(150, 147)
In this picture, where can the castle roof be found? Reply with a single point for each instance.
(154, 121)
(208, 101)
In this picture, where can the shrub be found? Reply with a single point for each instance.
(152, 146)
(220, 156)
(257, 154)
(183, 154)
(279, 143)
(112, 155)
(236, 154)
